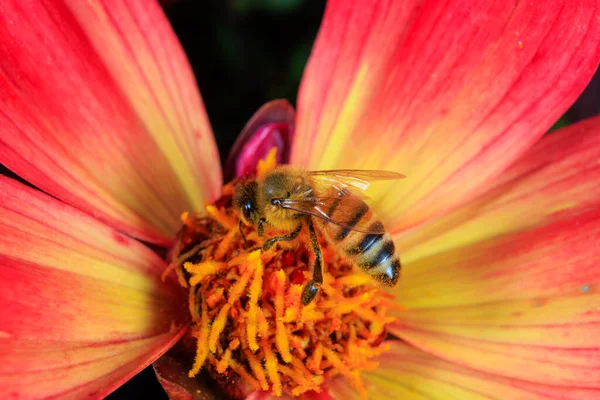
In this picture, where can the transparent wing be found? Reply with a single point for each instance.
(318, 207)
(356, 178)
(342, 191)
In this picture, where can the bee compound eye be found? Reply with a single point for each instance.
(247, 210)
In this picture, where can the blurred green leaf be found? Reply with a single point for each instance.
(561, 123)
(298, 60)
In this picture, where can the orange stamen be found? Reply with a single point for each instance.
(225, 362)
(281, 335)
(238, 288)
(315, 361)
(193, 304)
(215, 297)
(202, 347)
(217, 327)
(299, 366)
(258, 370)
(241, 371)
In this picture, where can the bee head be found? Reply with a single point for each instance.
(244, 199)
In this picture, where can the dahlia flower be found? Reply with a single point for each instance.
(497, 225)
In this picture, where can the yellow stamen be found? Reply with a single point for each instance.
(310, 313)
(251, 328)
(281, 341)
(303, 383)
(222, 218)
(294, 300)
(271, 363)
(217, 327)
(238, 288)
(299, 366)
(202, 270)
(255, 290)
(267, 164)
(247, 314)
(344, 370)
(315, 361)
(354, 280)
(184, 216)
(176, 265)
(224, 246)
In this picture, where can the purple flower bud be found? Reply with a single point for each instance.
(271, 126)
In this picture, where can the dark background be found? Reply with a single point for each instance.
(244, 53)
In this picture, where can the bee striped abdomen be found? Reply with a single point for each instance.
(359, 214)
(374, 253)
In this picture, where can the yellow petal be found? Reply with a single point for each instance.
(524, 305)
(408, 373)
(556, 178)
(83, 306)
(446, 93)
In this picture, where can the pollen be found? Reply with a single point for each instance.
(248, 320)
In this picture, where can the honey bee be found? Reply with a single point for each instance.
(287, 197)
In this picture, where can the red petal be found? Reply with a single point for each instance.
(100, 109)
(522, 305)
(83, 307)
(448, 93)
(557, 177)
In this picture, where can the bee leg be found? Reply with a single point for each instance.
(242, 234)
(312, 287)
(290, 236)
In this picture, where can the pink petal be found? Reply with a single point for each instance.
(100, 109)
(557, 177)
(261, 395)
(172, 373)
(408, 373)
(523, 305)
(447, 93)
(83, 307)
(271, 126)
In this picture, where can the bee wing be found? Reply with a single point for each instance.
(353, 178)
(318, 207)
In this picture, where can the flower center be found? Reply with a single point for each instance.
(247, 312)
